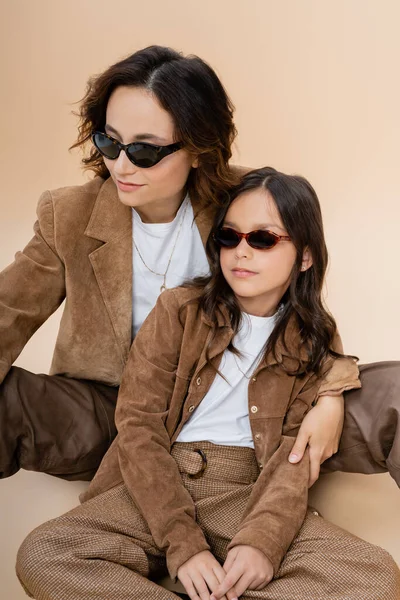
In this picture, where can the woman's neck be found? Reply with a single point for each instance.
(161, 211)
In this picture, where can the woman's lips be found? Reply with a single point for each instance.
(127, 187)
(243, 273)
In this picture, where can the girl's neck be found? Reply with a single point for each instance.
(257, 307)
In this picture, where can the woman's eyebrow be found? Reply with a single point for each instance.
(141, 137)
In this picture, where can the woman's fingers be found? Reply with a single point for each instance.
(300, 446)
(315, 464)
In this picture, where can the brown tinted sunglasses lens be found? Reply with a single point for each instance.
(260, 240)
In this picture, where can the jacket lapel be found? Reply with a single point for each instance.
(111, 223)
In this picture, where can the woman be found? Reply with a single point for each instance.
(162, 130)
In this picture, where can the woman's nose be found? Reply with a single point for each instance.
(123, 165)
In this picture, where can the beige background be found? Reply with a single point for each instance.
(316, 89)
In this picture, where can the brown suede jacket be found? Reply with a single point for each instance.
(82, 253)
(164, 381)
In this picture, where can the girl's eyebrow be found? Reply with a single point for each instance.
(255, 227)
(141, 137)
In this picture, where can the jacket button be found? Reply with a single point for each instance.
(198, 381)
(191, 408)
(258, 436)
(253, 379)
(254, 409)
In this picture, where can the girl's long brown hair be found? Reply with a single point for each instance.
(300, 212)
(191, 92)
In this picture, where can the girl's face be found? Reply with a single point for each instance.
(258, 278)
(134, 114)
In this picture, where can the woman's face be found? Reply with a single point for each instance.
(258, 278)
(134, 114)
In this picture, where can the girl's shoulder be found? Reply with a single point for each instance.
(180, 297)
(180, 305)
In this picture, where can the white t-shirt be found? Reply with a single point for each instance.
(223, 415)
(155, 242)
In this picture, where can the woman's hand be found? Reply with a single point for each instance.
(246, 568)
(320, 430)
(202, 573)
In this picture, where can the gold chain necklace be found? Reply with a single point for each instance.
(164, 275)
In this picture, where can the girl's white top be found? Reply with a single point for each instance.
(223, 415)
(155, 242)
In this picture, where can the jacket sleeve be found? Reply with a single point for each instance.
(148, 469)
(342, 374)
(278, 502)
(31, 288)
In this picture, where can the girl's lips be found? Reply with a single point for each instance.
(243, 273)
(128, 187)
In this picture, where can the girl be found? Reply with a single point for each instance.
(218, 381)
(160, 130)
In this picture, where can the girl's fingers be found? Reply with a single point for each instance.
(213, 581)
(243, 584)
(230, 559)
(200, 586)
(189, 587)
(229, 582)
(220, 574)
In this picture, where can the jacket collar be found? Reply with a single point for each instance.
(288, 349)
(110, 218)
(203, 217)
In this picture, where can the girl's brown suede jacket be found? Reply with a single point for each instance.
(164, 381)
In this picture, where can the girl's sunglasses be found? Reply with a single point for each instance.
(139, 153)
(261, 239)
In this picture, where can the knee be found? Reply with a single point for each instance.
(33, 558)
(385, 577)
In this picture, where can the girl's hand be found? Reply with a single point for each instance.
(202, 573)
(320, 430)
(246, 568)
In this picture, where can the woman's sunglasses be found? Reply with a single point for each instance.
(261, 239)
(139, 153)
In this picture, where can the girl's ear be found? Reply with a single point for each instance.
(195, 162)
(307, 260)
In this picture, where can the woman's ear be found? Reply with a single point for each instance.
(307, 260)
(195, 162)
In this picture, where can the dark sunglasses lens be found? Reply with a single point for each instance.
(143, 156)
(227, 238)
(105, 146)
(262, 240)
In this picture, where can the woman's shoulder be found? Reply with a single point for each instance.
(90, 189)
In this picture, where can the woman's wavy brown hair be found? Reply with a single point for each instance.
(300, 211)
(191, 92)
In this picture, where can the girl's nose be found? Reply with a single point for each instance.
(243, 250)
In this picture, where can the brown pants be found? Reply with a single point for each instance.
(64, 426)
(103, 550)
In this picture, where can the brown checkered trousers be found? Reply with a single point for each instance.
(104, 550)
